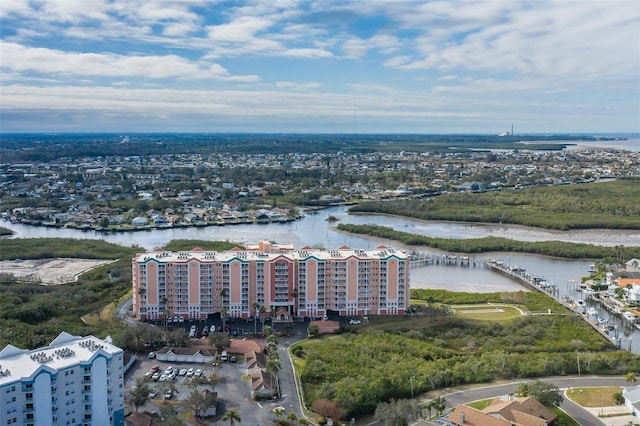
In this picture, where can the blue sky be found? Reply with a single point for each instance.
(365, 66)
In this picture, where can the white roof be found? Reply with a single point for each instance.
(321, 254)
(64, 351)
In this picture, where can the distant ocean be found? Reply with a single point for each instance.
(626, 142)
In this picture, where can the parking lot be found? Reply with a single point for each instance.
(233, 391)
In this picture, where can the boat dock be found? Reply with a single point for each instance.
(543, 286)
(423, 259)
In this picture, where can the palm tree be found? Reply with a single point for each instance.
(272, 367)
(439, 403)
(292, 417)
(232, 416)
(630, 377)
(522, 389)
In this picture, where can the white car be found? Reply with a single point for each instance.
(168, 370)
(354, 321)
(198, 372)
(190, 372)
(163, 378)
(183, 372)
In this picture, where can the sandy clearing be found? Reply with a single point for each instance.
(50, 271)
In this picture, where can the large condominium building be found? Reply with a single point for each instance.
(73, 381)
(272, 278)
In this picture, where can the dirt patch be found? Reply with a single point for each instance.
(49, 271)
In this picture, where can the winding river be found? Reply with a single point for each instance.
(314, 230)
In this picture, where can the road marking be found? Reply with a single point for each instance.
(258, 404)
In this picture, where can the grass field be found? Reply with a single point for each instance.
(488, 312)
(594, 397)
(106, 315)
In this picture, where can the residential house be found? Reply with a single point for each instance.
(632, 265)
(263, 385)
(139, 221)
(631, 396)
(526, 411)
(255, 360)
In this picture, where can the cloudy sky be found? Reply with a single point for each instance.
(366, 66)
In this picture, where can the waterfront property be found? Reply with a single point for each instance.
(270, 278)
(75, 380)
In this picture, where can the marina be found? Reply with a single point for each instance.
(605, 326)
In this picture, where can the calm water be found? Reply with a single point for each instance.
(314, 230)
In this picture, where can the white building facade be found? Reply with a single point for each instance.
(73, 381)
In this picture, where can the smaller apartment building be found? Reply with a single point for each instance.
(73, 381)
(270, 278)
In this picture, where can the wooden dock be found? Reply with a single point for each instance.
(543, 286)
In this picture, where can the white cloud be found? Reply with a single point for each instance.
(18, 58)
(297, 86)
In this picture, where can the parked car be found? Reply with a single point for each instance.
(163, 378)
(155, 369)
(168, 394)
(155, 377)
(233, 358)
(151, 355)
(153, 394)
(190, 372)
(168, 370)
(354, 321)
(183, 372)
(198, 373)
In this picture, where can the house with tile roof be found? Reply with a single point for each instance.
(526, 411)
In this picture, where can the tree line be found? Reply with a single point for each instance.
(595, 205)
(491, 244)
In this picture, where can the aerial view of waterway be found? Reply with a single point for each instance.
(315, 230)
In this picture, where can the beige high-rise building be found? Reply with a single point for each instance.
(274, 278)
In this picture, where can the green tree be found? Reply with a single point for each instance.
(314, 330)
(439, 404)
(139, 394)
(522, 389)
(400, 412)
(232, 416)
(547, 393)
(220, 340)
(292, 418)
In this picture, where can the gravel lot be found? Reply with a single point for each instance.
(50, 271)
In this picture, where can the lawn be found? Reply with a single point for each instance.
(594, 397)
(488, 312)
(563, 418)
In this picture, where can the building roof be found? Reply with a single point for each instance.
(186, 351)
(243, 346)
(260, 380)
(144, 418)
(512, 412)
(627, 282)
(64, 351)
(256, 360)
(632, 394)
(342, 253)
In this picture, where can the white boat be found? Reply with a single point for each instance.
(629, 316)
